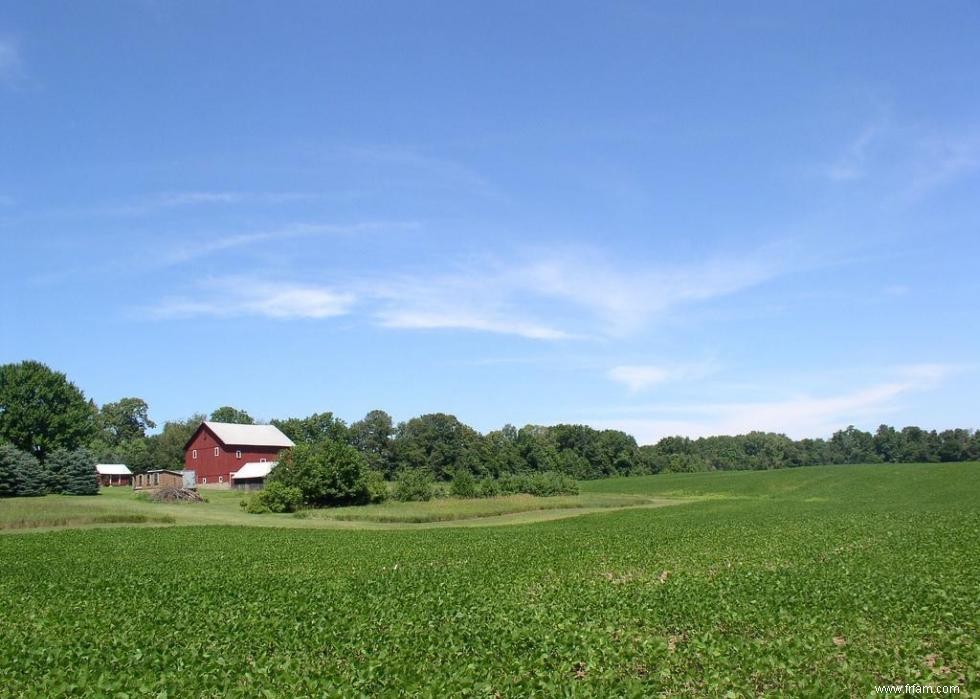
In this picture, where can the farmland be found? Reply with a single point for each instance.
(822, 581)
(121, 506)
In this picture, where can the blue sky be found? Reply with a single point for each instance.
(675, 218)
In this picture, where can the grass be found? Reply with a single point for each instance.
(453, 509)
(76, 511)
(122, 505)
(811, 582)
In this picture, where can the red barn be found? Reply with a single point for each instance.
(218, 449)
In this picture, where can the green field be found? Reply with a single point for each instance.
(123, 506)
(822, 581)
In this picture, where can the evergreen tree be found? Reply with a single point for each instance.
(73, 472)
(20, 473)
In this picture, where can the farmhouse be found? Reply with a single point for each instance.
(217, 450)
(113, 474)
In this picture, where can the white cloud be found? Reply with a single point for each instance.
(470, 301)
(625, 297)
(641, 377)
(554, 298)
(239, 296)
(467, 320)
(577, 294)
(798, 416)
(190, 250)
(910, 160)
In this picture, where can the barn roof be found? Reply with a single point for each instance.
(255, 469)
(232, 434)
(113, 470)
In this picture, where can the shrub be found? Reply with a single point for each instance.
(510, 483)
(414, 484)
(281, 498)
(463, 485)
(550, 483)
(327, 473)
(253, 505)
(544, 484)
(275, 497)
(377, 486)
(489, 488)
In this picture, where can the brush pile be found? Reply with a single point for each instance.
(176, 495)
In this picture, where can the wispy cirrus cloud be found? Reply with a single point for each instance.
(231, 297)
(469, 320)
(576, 294)
(911, 160)
(161, 201)
(852, 163)
(473, 300)
(797, 416)
(547, 298)
(187, 250)
(642, 377)
(571, 296)
(942, 160)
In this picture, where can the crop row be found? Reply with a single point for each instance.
(745, 595)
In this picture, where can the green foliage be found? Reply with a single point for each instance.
(852, 446)
(274, 497)
(166, 449)
(439, 443)
(65, 472)
(20, 473)
(227, 413)
(489, 488)
(463, 485)
(72, 472)
(414, 484)
(546, 484)
(819, 582)
(40, 410)
(313, 429)
(549, 484)
(377, 486)
(124, 421)
(372, 436)
(254, 505)
(327, 473)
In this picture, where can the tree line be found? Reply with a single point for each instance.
(42, 412)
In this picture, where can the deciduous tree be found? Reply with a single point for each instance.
(41, 410)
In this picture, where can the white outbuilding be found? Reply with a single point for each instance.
(114, 474)
(252, 474)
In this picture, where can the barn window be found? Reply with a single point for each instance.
(204, 481)
(261, 461)
(194, 454)
(216, 451)
(238, 454)
(221, 479)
